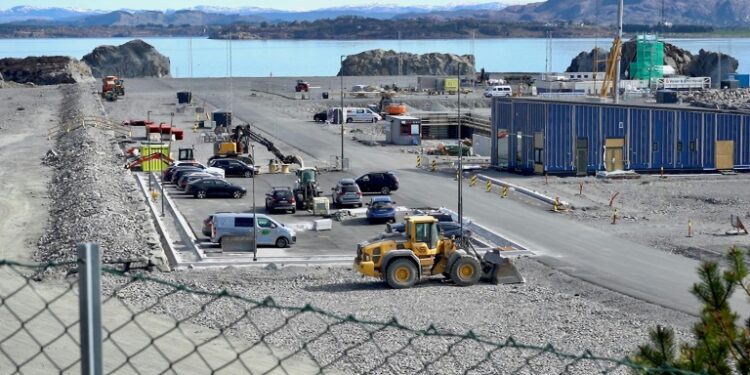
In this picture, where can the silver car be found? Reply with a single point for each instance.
(346, 193)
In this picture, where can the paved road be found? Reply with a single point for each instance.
(615, 263)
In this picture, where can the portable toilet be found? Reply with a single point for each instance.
(222, 118)
(154, 165)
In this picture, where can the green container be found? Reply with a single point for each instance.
(154, 165)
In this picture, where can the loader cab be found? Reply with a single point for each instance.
(422, 232)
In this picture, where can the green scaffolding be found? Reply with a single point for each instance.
(649, 58)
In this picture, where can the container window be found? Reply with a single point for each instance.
(692, 146)
(405, 129)
(655, 147)
(679, 146)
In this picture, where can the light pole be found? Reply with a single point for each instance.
(255, 219)
(460, 174)
(161, 162)
(341, 118)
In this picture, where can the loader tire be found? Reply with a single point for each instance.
(401, 274)
(466, 271)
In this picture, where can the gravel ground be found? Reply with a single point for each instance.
(93, 198)
(655, 211)
(551, 308)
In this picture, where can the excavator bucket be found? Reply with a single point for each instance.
(498, 269)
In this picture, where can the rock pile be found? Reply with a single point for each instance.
(705, 64)
(45, 70)
(93, 199)
(379, 62)
(737, 99)
(133, 59)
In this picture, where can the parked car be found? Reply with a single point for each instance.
(378, 182)
(281, 198)
(498, 91)
(181, 171)
(243, 158)
(214, 187)
(234, 167)
(268, 230)
(320, 116)
(168, 174)
(346, 192)
(190, 177)
(381, 208)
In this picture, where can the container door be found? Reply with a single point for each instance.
(538, 152)
(614, 160)
(582, 156)
(724, 154)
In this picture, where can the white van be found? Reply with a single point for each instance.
(354, 114)
(270, 231)
(502, 90)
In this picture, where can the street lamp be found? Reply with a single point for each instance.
(341, 118)
(460, 175)
(255, 219)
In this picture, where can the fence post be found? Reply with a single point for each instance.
(90, 308)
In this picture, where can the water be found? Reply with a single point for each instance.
(261, 58)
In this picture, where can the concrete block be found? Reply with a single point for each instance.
(323, 224)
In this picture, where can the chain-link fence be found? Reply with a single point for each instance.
(49, 323)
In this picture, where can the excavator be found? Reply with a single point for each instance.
(402, 259)
(306, 188)
(243, 135)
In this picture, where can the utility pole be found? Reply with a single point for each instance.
(255, 219)
(618, 53)
(460, 174)
(341, 118)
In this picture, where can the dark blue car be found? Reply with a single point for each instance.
(381, 208)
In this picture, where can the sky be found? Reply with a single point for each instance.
(274, 4)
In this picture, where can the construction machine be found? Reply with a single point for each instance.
(244, 134)
(108, 88)
(306, 188)
(302, 86)
(119, 87)
(401, 259)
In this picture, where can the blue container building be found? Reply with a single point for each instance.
(579, 137)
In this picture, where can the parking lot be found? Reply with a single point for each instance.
(341, 240)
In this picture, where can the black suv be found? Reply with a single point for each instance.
(233, 167)
(378, 182)
(280, 198)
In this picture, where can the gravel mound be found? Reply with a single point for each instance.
(735, 99)
(93, 199)
(551, 308)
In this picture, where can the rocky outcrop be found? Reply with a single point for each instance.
(705, 64)
(379, 62)
(45, 70)
(708, 64)
(133, 59)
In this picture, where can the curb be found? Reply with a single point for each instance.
(526, 191)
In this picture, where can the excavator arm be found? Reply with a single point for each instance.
(142, 159)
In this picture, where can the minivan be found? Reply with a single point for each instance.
(502, 90)
(354, 114)
(269, 231)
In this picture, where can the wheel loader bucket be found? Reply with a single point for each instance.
(499, 269)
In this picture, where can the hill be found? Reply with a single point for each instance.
(721, 13)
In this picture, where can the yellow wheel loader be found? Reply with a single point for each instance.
(402, 259)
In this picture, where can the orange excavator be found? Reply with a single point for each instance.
(143, 159)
